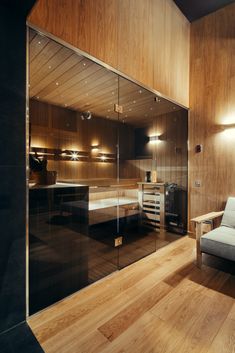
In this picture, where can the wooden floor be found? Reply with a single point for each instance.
(162, 303)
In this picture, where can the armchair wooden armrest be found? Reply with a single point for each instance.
(207, 217)
(198, 221)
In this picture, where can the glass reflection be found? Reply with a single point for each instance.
(108, 172)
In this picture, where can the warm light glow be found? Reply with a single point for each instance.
(94, 148)
(228, 120)
(38, 142)
(154, 139)
(103, 158)
(229, 133)
(74, 156)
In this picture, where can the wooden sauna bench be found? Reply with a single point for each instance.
(104, 198)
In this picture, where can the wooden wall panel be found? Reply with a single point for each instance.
(212, 102)
(170, 152)
(148, 40)
(86, 24)
(135, 40)
(63, 128)
(60, 128)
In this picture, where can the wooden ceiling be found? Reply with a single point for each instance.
(59, 76)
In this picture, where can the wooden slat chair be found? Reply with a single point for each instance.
(221, 240)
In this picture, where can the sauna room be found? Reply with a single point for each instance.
(117, 197)
(108, 171)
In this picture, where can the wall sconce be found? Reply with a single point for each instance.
(154, 139)
(227, 126)
(74, 156)
(103, 158)
(95, 148)
(64, 154)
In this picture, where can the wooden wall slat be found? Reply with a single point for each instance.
(148, 40)
(212, 97)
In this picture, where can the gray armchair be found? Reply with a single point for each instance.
(221, 240)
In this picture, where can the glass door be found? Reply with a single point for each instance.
(137, 166)
(152, 172)
(108, 171)
(73, 192)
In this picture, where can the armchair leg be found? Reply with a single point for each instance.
(198, 247)
(199, 259)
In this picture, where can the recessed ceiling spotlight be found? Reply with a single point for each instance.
(86, 115)
(151, 108)
(109, 110)
(112, 93)
(174, 108)
(126, 116)
(57, 83)
(39, 42)
(85, 82)
(84, 64)
(87, 94)
(134, 102)
(49, 67)
(66, 105)
(130, 110)
(37, 97)
(140, 91)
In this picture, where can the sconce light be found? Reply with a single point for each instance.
(64, 154)
(154, 139)
(227, 129)
(227, 126)
(103, 158)
(95, 148)
(74, 156)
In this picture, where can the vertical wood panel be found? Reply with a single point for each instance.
(60, 128)
(135, 40)
(148, 40)
(170, 152)
(212, 97)
(86, 24)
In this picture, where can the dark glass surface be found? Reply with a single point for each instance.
(19, 339)
(106, 133)
(138, 240)
(12, 163)
(159, 148)
(58, 237)
(72, 228)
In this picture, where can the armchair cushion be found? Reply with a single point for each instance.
(220, 242)
(228, 219)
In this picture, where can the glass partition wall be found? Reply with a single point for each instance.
(108, 171)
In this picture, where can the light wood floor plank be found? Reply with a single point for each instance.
(119, 323)
(161, 304)
(225, 339)
(232, 313)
